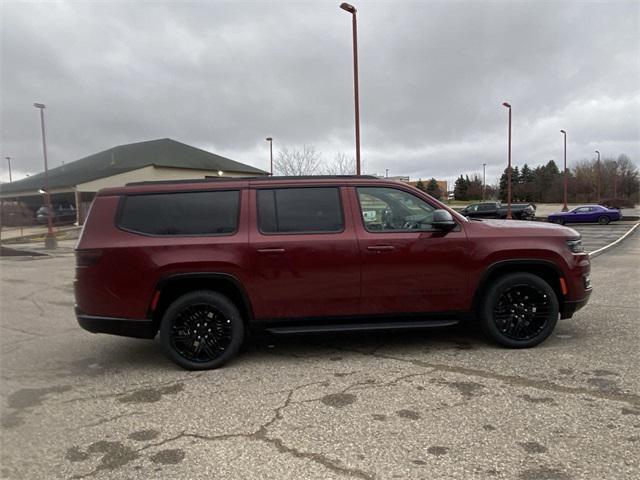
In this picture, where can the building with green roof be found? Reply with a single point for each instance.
(75, 183)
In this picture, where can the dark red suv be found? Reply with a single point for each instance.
(203, 262)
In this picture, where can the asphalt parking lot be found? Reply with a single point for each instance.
(596, 236)
(433, 404)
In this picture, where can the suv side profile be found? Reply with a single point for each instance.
(204, 262)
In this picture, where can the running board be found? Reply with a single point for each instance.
(359, 327)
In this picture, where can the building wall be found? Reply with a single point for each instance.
(442, 185)
(151, 173)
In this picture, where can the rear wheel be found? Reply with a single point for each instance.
(201, 330)
(520, 310)
(603, 220)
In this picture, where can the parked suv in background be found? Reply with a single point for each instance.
(202, 262)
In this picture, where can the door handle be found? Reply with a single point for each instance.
(271, 250)
(380, 248)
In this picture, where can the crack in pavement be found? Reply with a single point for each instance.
(19, 330)
(512, 380)
(261, 435)
(109, 419)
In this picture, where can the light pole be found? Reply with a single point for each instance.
(509, 166)
(9, 162)
(270, 140)
(484, 179)
(356, 95)
(564, 195)
(598, 178)
(50, 240)
(386, 173)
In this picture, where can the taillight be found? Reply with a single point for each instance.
(86, 258)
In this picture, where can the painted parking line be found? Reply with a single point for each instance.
(614, 243)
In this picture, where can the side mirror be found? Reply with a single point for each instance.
(442, 220)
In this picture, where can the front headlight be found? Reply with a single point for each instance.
(575, 245)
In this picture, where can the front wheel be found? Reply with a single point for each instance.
(520, 310)
(201, 330)
(603, 220)
(559, 221)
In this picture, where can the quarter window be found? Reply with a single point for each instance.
(193, 213)
(300, 210)
(389, 209)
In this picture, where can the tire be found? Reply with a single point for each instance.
(526, 297)
(558, 221)
(603, 220)
(197, 316)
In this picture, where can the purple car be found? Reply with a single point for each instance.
(586, 214)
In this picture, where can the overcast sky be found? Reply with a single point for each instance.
(224, 75)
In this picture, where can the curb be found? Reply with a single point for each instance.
(613, 244)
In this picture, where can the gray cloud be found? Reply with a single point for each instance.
(223, 75)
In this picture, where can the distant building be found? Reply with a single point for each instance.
(76, 183)
(442, 185)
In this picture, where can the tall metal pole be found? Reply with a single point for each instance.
(598, 178)
(270, 140)
(50, 240)
(9, 162)
(564, 195)
(356, 94)
(484, 179)
(509, 217)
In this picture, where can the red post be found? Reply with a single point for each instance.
(565, 208)
(50, 240)
(356, 93)
(509, 217)
(484, 179)
(270, 140)
(598, 178)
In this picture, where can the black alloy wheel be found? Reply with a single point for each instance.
(520, 310)
(603, 220)
(201, 330)
(559, 221)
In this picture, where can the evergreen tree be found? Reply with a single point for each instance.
(502, 189)
(515, 176)
(420, 185)
(526, 175)
(460, 188)
(433, 189)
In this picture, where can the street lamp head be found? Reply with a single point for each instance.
(506, 104)
(39, 105)
(348, 8)
(269, 139)
(562, 131)
(597, 152)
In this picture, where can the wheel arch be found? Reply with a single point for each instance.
(544, 269)
(173, 286)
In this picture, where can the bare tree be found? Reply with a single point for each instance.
(297, 161)
(340, 165)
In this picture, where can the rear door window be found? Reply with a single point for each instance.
(300, 210)
(190, 213)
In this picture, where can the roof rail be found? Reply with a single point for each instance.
(256, 177)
